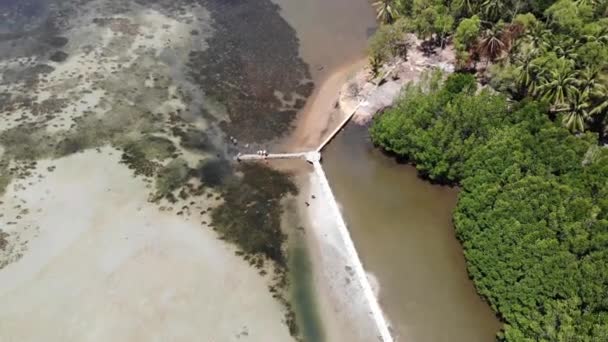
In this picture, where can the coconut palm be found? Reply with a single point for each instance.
(526, 69)
(590, 3)
(539, 37)
(588, 81)
(493, 9)
(565, 47)
(492, 44)
(559, 84)
(465, 7)
(600, 36)
(599, 95)
(600, 107)
(591, 87)
(386, 10)
(577, 112)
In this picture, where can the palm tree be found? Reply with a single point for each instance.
(559, 84)
(493, 9)
(566, 48)
(386, 10)
(599, 111)
(465, 7)
(590, 3)
(540, 37)
(375, 63)
(576, 112)
(599, 95)
(601, 36)
(527, 70)
(492, 44)
(588, 81)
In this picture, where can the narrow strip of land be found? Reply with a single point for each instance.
(360, 275)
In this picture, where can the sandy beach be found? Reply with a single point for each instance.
(341, 300)
(321, 114)
(343, 306)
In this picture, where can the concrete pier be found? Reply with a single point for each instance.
(310, 156)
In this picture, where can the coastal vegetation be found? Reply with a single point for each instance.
(521, 128)
(532, 212)
(555, 52)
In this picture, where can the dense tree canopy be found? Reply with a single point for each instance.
(552, 51)
(533, 211)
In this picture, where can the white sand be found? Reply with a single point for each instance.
(106, 265)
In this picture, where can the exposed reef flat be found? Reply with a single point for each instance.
(114, 173)
(103, 263)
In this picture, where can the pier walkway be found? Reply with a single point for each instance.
(310, 156)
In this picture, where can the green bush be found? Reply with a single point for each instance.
(389, 41)
(439, 129)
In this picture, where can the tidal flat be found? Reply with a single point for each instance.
(119, 120)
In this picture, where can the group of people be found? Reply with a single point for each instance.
(262, 153)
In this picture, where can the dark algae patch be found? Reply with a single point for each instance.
(249, 66)
(171, 177)
(59, 56)
(3, 240)
(213, 172)
(144, 155)
(250, 216)
(249, 60)
(57, 41)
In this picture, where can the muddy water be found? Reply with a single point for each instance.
(331, 33)
(401, 226)
(332, 37)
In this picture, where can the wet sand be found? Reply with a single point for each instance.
(319, 116)
(89, 256)
(105, 264)
(334, 44)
